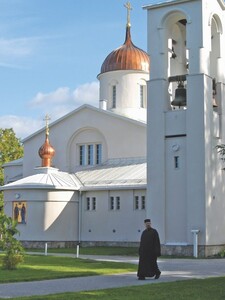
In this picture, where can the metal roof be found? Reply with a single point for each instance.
(126, 57)
(116, 174)
(54, 180)
(160, 2)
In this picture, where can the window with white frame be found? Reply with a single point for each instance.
(90, 154)
(90, 160)
(118, 203)
(88, 203)
(141, 96)
(176, 162)
(136, 202)
(82, 155)
(139, 202)
(98, 152)
(91, 203)
(114, 203)
(111, 205)
(143, 202)
(114, 96)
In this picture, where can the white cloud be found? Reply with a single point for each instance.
(61, 95)
(62, 100)
(56, 104)
(22, 126)
(13, 50)
(15, 47)
(87, 93)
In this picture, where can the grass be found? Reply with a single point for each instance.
(40, 267)
(199, 289)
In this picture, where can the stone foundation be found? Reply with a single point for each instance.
(166, 250)
(187, 250)
(51, 244)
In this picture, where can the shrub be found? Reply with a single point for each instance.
(14, 252)
(222, 253)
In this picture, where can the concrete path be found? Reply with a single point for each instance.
(172, 270)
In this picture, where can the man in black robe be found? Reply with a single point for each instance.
(149, 250)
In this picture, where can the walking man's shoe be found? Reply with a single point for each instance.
(157, 275)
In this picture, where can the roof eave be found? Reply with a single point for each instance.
(113, 187)
(172, 2)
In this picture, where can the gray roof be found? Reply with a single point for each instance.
(118, 174)
(16, 162)
(52, 180)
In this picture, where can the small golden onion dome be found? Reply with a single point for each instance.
(46, 152)
(126, 57)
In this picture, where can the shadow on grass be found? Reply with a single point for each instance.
(39, 267)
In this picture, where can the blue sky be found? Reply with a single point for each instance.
(51, 52)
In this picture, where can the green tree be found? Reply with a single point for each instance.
(13, 250)
(11, 148)
(221, 150)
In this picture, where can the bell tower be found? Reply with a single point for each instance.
(186, 96)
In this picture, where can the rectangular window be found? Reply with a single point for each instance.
(142, 202)
(112, 203)
(114, 96)
(117, 203)
(93, 203)
(141, 96)
(88, 203)
(136, 202)
(176, 162)
(98, 154)
(82, 155)
(90, 154)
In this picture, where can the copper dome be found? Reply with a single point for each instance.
(46, 152)
(126, 57)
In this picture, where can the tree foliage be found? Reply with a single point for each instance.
(11, 148)
(13, 250)
(221, 150)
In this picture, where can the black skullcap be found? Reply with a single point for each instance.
(147, 220)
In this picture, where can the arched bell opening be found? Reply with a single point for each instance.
(178, 62)
(216, 68)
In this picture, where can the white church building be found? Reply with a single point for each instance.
(108, 168)
(89, 184)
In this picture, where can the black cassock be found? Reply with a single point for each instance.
(149, 250)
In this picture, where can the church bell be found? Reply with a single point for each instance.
(180, 96)
(214, 93)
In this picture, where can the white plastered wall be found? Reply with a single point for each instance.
(50, 216)
(202, 186)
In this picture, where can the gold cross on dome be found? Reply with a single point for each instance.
(46, 119)
(129, 8)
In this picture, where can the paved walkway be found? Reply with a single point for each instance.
(172, 270)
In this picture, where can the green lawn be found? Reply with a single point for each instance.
(201, 289)
(41, 267)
